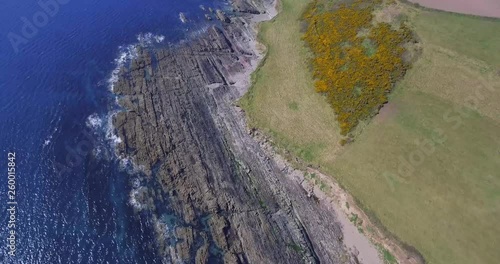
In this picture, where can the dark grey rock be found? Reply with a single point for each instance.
(182, 128)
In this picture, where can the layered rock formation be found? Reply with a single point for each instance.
(233, 203)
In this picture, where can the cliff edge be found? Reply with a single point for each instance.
(233, 203)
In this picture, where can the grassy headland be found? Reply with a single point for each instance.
(428, 166)
(282, 98)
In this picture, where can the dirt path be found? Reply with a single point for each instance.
(486, 8)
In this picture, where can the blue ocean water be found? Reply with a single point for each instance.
(72, 194)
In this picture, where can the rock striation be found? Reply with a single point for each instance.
(232, 202)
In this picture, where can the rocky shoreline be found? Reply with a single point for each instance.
(233, 202)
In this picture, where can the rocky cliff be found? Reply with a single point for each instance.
(233, 203)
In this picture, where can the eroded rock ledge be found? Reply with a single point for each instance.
(234, 204)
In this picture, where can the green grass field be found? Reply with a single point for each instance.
(444, 117)
(283, 98)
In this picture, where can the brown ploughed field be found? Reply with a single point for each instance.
(487, 8)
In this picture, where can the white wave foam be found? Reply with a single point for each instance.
(125, 163)
(129, 52)
(136, 183)
(97, 152)
(149, 39)
(49, 138)
(126, 55)
(115, 139)
(165, 233)
(94, 121)
(135, 196)
(110, 134)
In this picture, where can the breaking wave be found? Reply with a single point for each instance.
(129, 52)
(94, 121)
